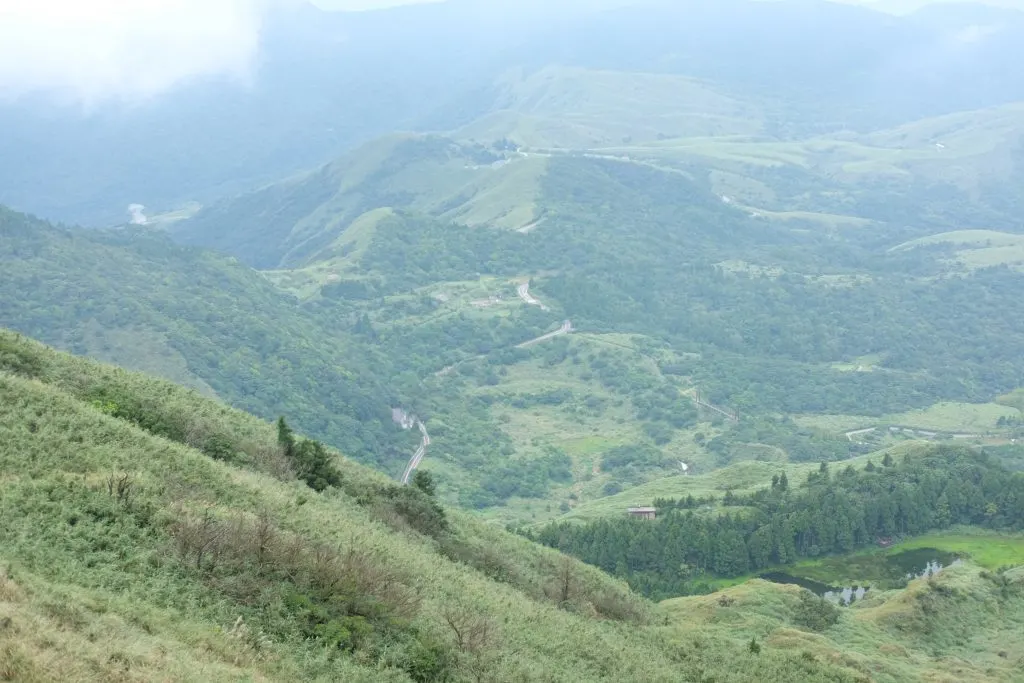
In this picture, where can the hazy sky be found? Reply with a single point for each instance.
(93, 50)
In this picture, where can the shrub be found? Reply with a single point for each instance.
(419, 510)
(814, 613)
(18, 358)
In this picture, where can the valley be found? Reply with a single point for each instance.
(524, 341)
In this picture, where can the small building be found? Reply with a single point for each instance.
(643, 513)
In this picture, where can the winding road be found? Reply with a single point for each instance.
(418, 456)
(524, 293)
(913, 431)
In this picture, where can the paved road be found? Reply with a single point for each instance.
(859, 432)
(524, 293)
(913, 431)
(418, 456)
(566, 328)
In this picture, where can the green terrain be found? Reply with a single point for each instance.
(154, 534)
(416, 335)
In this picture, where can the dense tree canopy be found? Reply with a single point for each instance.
(838, 509)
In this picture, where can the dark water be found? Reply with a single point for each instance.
(910, 564)
(839, 594)
(921, 563)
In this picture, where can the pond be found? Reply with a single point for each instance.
(885, 571)
(841, 595)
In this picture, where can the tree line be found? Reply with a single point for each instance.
(831, 512)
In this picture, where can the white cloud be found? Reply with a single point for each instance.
(93, 50)
(90, 50)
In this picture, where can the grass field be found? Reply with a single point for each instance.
(950, 417)
(987, 549)
(1014, 399)
(972, 418)
(740, 477)
(504, 197)
(831, 221)
(976, 248)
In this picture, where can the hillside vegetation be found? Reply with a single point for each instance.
(759, 254)
(154, 534)
(928, 488)
(964, 624)
(196, 318)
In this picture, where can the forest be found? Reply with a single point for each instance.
(766, 342)
(836, 510)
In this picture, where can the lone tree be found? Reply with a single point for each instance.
(285, 437)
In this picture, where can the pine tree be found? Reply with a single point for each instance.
(285, 437)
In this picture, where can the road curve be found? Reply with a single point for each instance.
(523, 291)
(566, 328)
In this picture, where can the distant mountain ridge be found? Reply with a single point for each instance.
(814, 69)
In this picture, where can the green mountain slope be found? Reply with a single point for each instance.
(768, 316)
(128, 554)
(296, 222)
(207, 321)
(575, 108)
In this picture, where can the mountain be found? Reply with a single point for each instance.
(809, 68)
(803, 305)
(590, 266)
(191, 551)
(197, 318)
(301, 220)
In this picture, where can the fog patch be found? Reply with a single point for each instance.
(137, 213)
(128, 50)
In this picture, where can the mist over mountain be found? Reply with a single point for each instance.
(591, 340)
(325, 81)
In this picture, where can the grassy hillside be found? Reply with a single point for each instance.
(965, 624)
(132, 555)
(575, 108)
(307, 218)
(974, 249)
